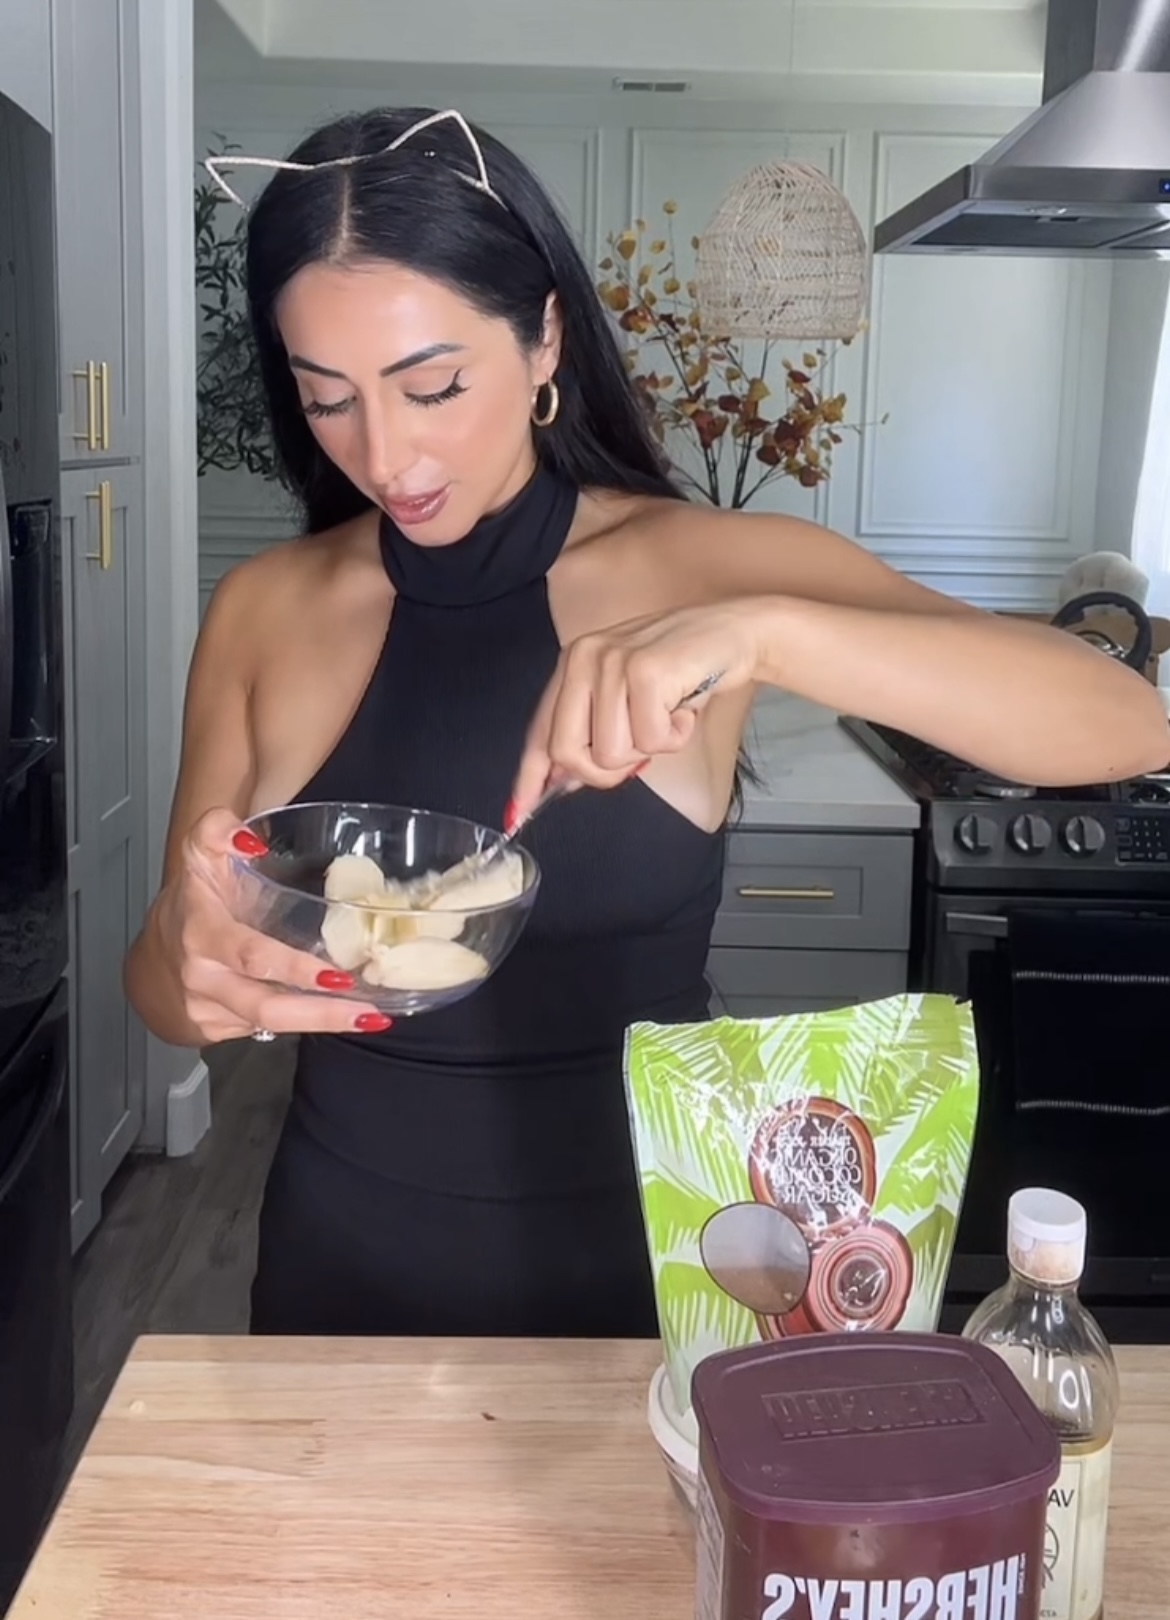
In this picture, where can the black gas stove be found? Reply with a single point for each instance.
(1048, 910)
(984, 832)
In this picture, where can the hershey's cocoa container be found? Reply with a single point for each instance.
(875, 1476)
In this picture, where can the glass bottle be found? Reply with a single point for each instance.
(1038, 1324)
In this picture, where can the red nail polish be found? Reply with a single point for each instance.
(511, 816)
(246, 843)
(372, 1023)
(334, 979)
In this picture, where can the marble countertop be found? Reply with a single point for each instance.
(815, 775)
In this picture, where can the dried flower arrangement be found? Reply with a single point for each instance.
(701, 385)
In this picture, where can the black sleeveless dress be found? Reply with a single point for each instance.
(470, 1171)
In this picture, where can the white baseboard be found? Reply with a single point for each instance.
(188, 1112)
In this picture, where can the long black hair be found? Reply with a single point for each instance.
(504, 253)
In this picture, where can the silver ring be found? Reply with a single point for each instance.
(263, 1035)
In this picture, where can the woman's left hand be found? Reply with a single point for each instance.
(613, 701)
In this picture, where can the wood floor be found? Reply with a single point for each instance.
(175, 1250)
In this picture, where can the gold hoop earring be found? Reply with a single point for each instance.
(546, 418)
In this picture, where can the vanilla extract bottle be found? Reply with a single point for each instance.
(1038, 1324)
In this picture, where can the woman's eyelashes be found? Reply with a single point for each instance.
(452, 391)
(321, 408)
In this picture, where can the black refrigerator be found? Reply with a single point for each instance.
(36, 1318)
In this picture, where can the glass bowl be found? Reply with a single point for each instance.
(402, 961)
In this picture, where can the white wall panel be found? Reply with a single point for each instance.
(982, 482)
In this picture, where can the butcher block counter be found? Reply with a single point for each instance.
(269, 1479)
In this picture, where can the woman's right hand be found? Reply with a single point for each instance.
(231, 976)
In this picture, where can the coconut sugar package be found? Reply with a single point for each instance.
(801, 1174)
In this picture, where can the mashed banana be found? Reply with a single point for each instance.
(367, 926)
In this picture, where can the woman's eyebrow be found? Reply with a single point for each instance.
(418, 358)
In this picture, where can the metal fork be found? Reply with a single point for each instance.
(424, 891)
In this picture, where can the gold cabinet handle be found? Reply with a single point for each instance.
(755, 892)
(89, 375)
(104, 374)
(104, 496)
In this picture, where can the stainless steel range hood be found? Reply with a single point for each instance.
(1088, 174)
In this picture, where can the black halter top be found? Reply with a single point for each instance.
(483, 1099)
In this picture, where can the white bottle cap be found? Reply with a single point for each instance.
(1046, 1235)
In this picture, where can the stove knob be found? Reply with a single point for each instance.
(1083, 835)
(1030, 834)
(975, 834)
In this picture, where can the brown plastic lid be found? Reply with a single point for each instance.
(878, 1428)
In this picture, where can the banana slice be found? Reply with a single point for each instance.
(385, 926)
(431, 925)
(345, 934)
(393, 896)
(424, 964)
(503, 881)
(354, 877)
(375, 942)
(394, 928)
(393, 924)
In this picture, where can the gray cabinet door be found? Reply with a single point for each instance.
(824, 891)
(85, 1198)
(810, 921)
(103, 543)
(99, 272)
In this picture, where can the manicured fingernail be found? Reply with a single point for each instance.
(334, 979)
(248, 844)
(511, 816)
(372, 1023)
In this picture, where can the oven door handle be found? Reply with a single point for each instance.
(985, 924)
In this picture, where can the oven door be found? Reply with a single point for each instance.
(1115, 1164)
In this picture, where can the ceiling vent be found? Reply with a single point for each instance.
(654, 87)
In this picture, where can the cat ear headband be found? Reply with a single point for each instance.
(479, 180)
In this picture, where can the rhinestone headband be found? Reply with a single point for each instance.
(479, 180)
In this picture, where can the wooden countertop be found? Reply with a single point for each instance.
(254, 1479)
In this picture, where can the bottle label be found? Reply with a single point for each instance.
(1074, 1544)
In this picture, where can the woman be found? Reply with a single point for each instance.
(497, 581)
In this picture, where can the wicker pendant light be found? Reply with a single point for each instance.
(783, 257)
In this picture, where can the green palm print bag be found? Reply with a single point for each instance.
(801, 1174)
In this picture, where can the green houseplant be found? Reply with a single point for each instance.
(232, 431)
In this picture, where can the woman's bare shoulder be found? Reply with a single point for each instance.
(273, 635)
(303, 562)
(696, 553)
(643, 540)
(615, 515)
(637, 522)
(300, 574)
